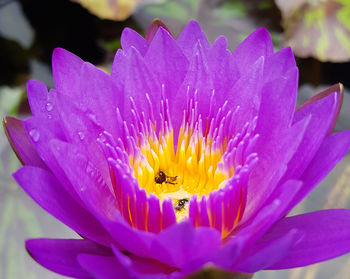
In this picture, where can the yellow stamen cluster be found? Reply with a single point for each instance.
(193, 169)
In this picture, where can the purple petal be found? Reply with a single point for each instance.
(60, 255)
(42, 132)
(285, 193)
(274, 156)
(278, 99)
(190, 36)
(20, 143)
(182, 243)
(339, 89)
(277, 106)
(322, 112)
(42, 103)
(100, 201)
(66, 71)
(72, 163)
(118, 69)
(101, 267)
(220, 64)
(332, 150)
(265, 254)
(83, 129)
(140, 81)
(244, 237)
(116, 225)
(137, 265)
(326, 236)
(247, 236)
(198, 81)
(37, 97)
(245, 93)
(279, 64)
(122, 232)
(131, 38)
(153, 29)
(168, 63)
(123, 266)
(256, 45)
(266, 217)
(100, 97)
(45, 190)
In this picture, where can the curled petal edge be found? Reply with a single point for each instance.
(339, 89)
(20, 142)
(152, 30)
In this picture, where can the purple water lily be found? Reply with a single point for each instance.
(186, 155)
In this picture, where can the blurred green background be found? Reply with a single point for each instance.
(317, 30)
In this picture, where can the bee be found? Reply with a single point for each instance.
(181, 204)
(163, 178)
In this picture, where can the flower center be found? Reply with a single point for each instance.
(193, 168)
(200, 174)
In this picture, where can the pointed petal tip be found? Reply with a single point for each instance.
(6, 122)
(194, 23)
(58, 52)
(62, 56)
(193, 26)
(153, 29)
(263, 34)
(33, 83)
(10, 125)
(323, 236)
(338, 89)
(29, 243)
(289, 51)
(261, 30)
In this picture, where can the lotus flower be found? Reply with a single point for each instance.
(186, 155)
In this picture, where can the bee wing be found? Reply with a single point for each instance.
(171, 178)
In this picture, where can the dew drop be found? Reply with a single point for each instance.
(34, 134)
(102, 137)
(90, 170)
(49, 106)
(81, 135)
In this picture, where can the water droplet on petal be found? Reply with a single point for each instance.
(82, 188)
(49, 106)
(102, 137)
(35, 135)
(81, 135)
(90, 170)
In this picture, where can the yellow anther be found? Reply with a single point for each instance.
(192, 169)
